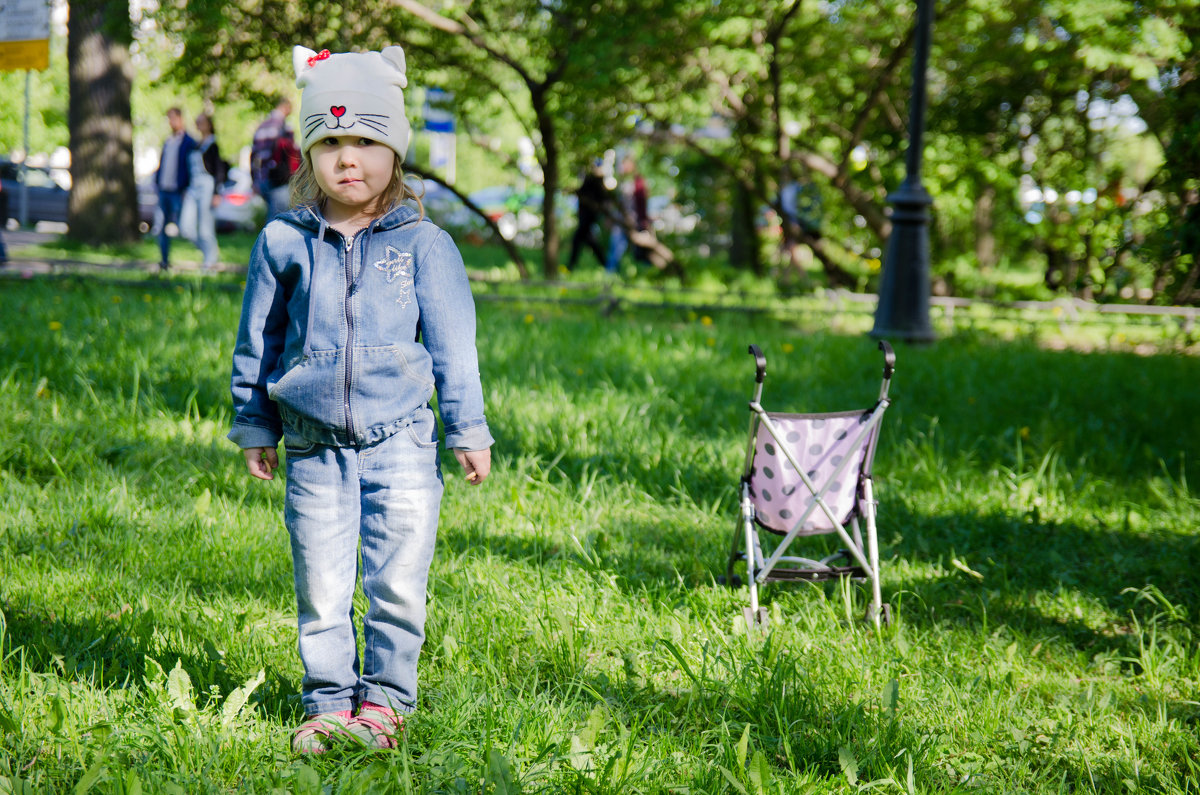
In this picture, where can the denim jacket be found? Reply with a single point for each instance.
(343, 342)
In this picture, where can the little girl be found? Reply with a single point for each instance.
(356, 311)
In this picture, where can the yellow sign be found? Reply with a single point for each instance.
(32, 55)
(24, 34)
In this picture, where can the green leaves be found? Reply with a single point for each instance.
(753, 778)
(239, 699)
(179, 691)
(848, 762)
(891, 696)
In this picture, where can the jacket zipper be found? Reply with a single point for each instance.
(349, 337)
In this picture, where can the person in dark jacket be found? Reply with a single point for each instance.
(593, 203)
(172, 180)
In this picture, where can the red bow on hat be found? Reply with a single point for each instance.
(321, 56)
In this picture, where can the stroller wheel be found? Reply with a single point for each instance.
(885, 614)
(755, 619)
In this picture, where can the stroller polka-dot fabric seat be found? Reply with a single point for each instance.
(824, 446)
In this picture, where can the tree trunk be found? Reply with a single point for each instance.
(985, 228)
(549, 194)
(104, 203)
(743, 238)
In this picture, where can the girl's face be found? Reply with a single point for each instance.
(352, 171)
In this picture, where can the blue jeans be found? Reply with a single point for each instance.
(618, 244)
(384, 497)
(196, 219)
(170, 202)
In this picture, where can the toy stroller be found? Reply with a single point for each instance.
(810, 474)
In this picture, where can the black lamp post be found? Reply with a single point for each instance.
(903, 309)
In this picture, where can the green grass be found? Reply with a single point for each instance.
(1039, 546)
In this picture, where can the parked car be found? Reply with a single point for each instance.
(47, 199)
(238, 206)
(147, 204)
(516, 213)
(444, 207)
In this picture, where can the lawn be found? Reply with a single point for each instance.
(1038, 533)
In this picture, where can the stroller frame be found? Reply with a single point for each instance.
(863, 559)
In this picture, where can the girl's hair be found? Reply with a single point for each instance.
(305, 192)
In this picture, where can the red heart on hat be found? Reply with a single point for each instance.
(338, 111)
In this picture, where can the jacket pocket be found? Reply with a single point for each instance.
(296, 445)
(423, 429)
(313, 390)
(289, 375)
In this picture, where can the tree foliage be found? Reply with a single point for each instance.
(1047, 118)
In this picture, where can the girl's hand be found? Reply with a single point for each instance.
(477, 463)
(261, 461)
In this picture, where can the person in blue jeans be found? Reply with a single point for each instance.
(207, 174)
(172, 179)
(357, 310)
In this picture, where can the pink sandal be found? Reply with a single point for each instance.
(377, 726)
(311, 736)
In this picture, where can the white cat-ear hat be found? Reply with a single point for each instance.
(352, 93)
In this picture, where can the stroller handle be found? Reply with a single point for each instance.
(889, 359)
(760, 363)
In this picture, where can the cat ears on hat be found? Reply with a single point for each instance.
(304, 59)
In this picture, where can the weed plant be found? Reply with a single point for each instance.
(1039, 550)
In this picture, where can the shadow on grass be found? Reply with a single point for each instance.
(1115, 417)
(788, 715)
(1025, 564)
(1119, 414)
(975, 407)
(113, 652)
(1034, 571)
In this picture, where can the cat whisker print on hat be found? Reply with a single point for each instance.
(339, 119)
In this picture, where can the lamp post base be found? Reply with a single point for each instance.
(903, 309)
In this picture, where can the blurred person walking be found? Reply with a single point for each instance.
(632, 217)
(172, 180)
(593, 201)
(208, 173)
(274, 158)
